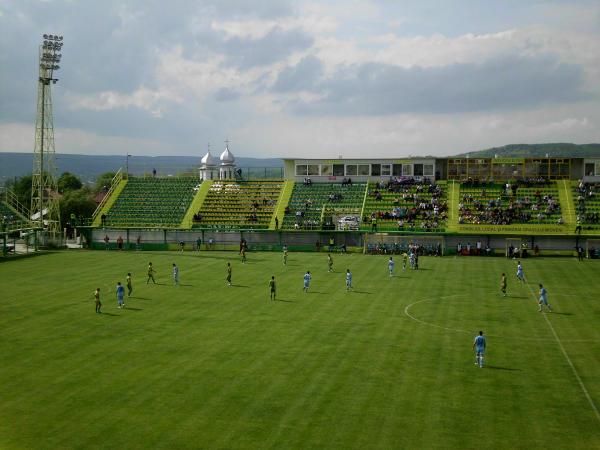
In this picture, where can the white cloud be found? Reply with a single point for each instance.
(142, 98)
(407, 134)
(19, 137)
(199, 72)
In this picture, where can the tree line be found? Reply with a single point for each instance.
(75, 198)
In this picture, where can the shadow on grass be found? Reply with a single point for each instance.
(284, 300)
(561, 313)
(140, 298)
(240, 285)
(362, 292)
(110, 314)
(510, 369)
(133, 309)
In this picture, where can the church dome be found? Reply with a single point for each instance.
(208, 160)
(227, 157)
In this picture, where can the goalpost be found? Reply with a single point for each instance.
(592, 248)
(388, 243)
(516, 244)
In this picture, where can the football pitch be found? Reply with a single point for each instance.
(386, 365)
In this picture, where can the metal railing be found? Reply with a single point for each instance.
(15, 225)
(113, 184)
(13, 201)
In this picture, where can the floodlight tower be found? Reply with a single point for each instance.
(44, 200)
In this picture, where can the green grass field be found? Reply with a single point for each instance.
(204, 365)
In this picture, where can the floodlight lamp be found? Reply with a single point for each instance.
(60, 38)
(45, 36)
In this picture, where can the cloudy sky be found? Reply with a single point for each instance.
(304, 78)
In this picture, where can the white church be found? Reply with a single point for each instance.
(223, 168)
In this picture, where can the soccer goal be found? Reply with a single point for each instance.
(394, 244)
(515, 244)
(592, 248)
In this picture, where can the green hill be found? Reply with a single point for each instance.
(538, 150)
(88, 167)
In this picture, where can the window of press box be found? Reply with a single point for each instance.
(418, 170)
(326, 169)
(338, 170)
(375, 169)
(301, 170)
(407, 170)
(428, 170)
(397, 170)
(313, 169)
(386, 169)
(363, 169)
(351, 169)
(590, 169)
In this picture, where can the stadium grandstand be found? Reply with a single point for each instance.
(550, 203)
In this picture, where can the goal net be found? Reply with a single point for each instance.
(512, 247)
(393, 244)
(592, 248)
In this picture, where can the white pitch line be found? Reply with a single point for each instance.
(565, 354)
(458, 330)
(432, 324)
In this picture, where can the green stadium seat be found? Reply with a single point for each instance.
(239, 205)
(152, 202)
(307, 201)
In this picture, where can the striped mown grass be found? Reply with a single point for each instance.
(204, 365)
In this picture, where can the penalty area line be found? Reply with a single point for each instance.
(566, 355)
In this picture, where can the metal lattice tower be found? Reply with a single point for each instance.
(44, 192)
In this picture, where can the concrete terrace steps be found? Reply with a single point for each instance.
(196, 205)
(565, 197)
